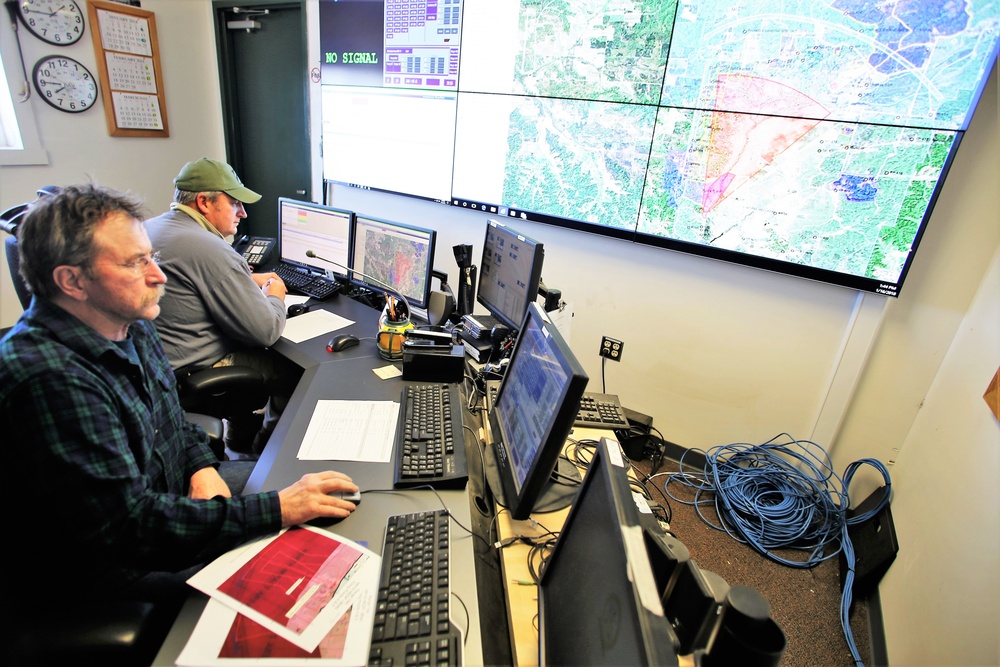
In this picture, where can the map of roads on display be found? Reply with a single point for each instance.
(813, 133)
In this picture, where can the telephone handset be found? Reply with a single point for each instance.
(256, 250)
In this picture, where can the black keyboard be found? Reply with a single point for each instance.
(412, 624)
(600, 411)
(430, 444)
(316, 287)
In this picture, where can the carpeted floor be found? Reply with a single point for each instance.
(804, 602)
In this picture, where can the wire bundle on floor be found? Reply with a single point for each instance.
(782, 494)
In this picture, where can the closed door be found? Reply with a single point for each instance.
(264, 76)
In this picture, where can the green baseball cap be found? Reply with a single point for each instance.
(207, 175)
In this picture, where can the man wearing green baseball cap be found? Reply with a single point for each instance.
(216, 311)
(206, 174)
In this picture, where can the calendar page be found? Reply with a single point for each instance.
(137, 112)
(132, 73)
(128, 34)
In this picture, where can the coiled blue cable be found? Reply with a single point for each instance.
(782, 494)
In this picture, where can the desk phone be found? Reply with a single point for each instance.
(256, 250)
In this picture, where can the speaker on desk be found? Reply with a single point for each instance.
(441, 304)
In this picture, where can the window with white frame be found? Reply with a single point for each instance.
(19, 141)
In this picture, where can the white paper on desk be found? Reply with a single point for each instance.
(350, 431)
(314, 323)
(297, 585)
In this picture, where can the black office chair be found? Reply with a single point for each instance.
(222, 393)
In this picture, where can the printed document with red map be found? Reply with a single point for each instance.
(303, 593)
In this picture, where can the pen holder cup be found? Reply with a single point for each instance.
(391, 334)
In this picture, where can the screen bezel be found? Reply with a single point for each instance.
(606, 487)
(357, 254)
(316, 265)
(532, 280)
(521, 498)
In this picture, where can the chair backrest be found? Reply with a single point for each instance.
(10, 220)
(14, 264)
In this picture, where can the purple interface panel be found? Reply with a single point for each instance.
(422, 39)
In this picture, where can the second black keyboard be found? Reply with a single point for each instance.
(412, 622)
(430, 444)
(316, 287)
(601, 411)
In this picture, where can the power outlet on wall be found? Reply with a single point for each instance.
(611, 348)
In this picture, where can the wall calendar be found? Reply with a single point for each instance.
(128, 63)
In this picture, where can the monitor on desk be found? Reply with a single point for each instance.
(533, 413)
(598, 597)
(509, 273)
(396, 254)
(305, 226)
(637, 597)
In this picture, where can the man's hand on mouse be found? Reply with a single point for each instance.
(309, 498)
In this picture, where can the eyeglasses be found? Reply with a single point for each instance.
(141, 265)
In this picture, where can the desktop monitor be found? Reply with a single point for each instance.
(533, 413)
(598, 598)
(396, 255)
(305, 226)
(509, 273)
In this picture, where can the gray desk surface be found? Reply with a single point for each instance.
(348, 375)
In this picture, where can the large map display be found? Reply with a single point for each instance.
(809, 138)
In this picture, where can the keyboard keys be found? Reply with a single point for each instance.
(601, 411)
(412, 625)
(314, 286)
(427, 450)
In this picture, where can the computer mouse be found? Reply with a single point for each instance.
(341, 342)
(354, 497)
(297, 309)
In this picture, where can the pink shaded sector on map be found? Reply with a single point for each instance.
(741, 144)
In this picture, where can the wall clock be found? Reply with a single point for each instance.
(65, 84)
(58, 22)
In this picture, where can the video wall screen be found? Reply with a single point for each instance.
(806, 138)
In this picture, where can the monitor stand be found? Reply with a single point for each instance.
(555, 495)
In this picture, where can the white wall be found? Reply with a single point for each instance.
(716, 353)
(941, 598)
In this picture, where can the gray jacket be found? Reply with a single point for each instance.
(212, 306)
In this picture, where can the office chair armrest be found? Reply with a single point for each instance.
(209, 380)
(211, 425)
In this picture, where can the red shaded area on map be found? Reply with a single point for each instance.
(741, 144)
(298, 565)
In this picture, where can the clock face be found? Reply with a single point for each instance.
(65, 84)
(58, 22)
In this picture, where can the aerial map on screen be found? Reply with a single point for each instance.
(809, 138)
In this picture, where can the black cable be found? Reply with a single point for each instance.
(468, 617)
